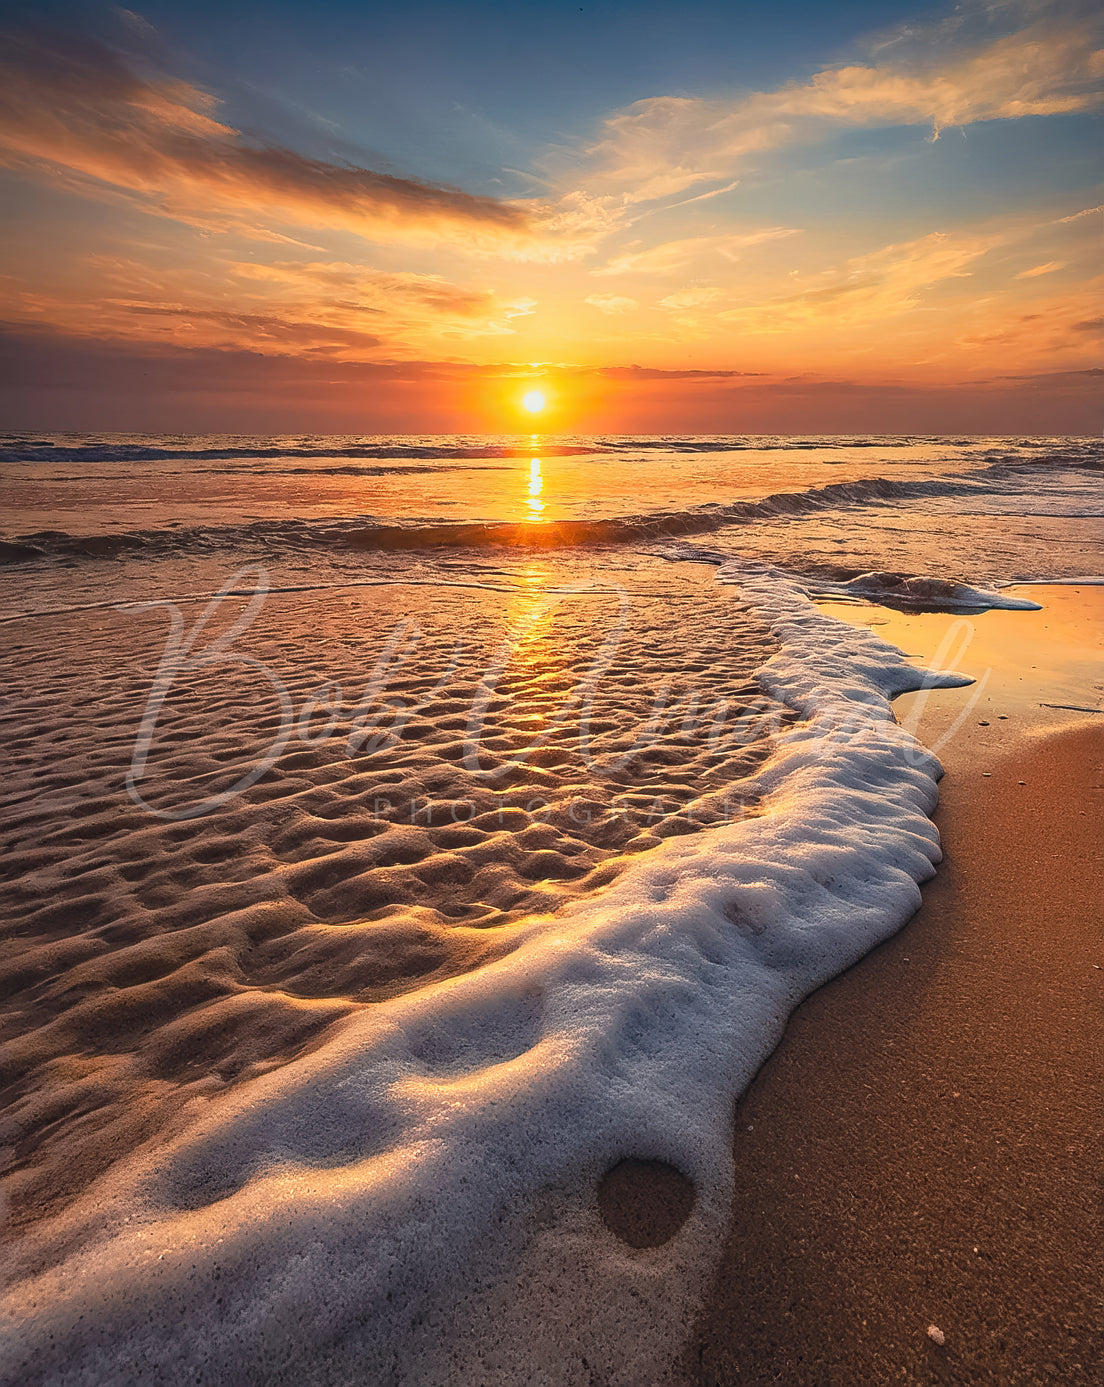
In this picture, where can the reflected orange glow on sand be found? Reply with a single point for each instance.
(1032, 669)
(531, 661)
(533, 606)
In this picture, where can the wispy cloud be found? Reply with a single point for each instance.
(705, 197)
(376, 289)
(873, 286)
(659, 373)
(227, 388)
(67, 105)
(1038, 270)
(1088, 379)
(663, 145)
(672, 256)
(210, 367)
(1050, 329)
(323, 309)
(687, 300)
(613, 304)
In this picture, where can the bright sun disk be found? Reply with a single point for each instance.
(534, 402)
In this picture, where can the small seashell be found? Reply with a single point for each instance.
(936, 1335)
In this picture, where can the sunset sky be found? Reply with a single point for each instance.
(720, 218)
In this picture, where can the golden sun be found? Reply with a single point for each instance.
(533, 402)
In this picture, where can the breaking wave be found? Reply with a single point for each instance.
(1001, 488)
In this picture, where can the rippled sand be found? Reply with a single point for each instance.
(454, 761)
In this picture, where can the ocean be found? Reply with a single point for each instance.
(342, 505)
(402, 833)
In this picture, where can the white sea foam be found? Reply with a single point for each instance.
(922, 592)
(1067, 492)
(413, 1202)
(895, 588)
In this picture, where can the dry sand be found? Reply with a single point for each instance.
(924, 1147)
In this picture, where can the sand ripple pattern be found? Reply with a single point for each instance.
(145, 960)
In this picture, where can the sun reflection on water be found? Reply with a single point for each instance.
(536, 486)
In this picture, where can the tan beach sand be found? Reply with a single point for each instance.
(1033, 671)
(924, 1147)
(145, 960)
(148, 960)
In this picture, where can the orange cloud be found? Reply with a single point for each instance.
(1041, 330)
(672, 256)
(688, 300)
(1038, 270)
(358, 288)
(326, 309)
(612, 303)
(78, 107)
(877, 285)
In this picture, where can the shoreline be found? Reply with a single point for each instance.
(636, 1298)
(919, 1149)
(620, 1030)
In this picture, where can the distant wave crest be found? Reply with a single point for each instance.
(31, 448)
(999, 482)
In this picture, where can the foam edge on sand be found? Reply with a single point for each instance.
(414, 1201)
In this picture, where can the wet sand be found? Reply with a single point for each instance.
(923, 1150)
(150, 971)
(441, 780)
